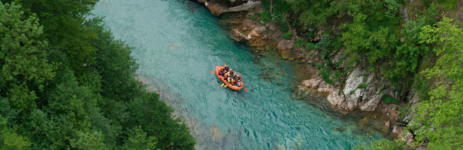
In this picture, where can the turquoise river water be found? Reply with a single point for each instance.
(178, 42)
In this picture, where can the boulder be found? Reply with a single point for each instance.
(337, 100)
(258, 43)
(367, 99)
(285, 53)
(397, 131)
(216, 134)
(408, 138)
(386, 127)
(325, 87)
(217, 8)
(248, 23)
(312, 83)
(364, 123)
(285, 45)
(272, 27)
(254, 33)
(237, 35)
(261, 29)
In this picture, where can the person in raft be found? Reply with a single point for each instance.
(226, 68)
(220, 72)
(232, 73)
(225, 77)
(238, 81)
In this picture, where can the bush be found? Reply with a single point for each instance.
(287, 35)
(265, 16)
(256, 13)
(388, 99)
(284, 28)
(326, 75)
(313, 64)
(299, 43)
(310, 46)
(362, 86)
(253, 17)
(319, 66)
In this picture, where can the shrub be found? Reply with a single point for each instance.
(265, 16)
(326, 75)
(299, 43)
(287, 35)
(284, 28)
(319, 66)
(313, 64)
(253, 17)
(362, 86)
(388, 99)
(256, 13)
(310, 46)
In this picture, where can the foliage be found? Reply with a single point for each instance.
(327, 45)
(443, 129)
(316, 12)
(362, 86)
(326, 75)
(287, 35)
(23, 57)
(253, 17)
(383, 144)
(284, 28)
(138, 140)
(64, 30)
(319, 66)
(265, 16)
(310, 45)
(299, 43)
(74, 86)
(388, 99)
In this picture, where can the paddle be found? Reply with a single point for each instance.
(246, 89)
(212, 71)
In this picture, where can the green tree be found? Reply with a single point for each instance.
(63, 27)
(86, 141)
(23, 60)
(10, 139)
(138, 140)
(439, 119)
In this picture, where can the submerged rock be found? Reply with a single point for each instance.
(237, 35)
(364, 123)
(216, 134)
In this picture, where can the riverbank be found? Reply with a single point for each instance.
(343, 96)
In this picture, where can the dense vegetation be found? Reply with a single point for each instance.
(65, 83)
(424, 49)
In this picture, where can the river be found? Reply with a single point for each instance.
(178, 42)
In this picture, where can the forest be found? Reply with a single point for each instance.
(422, 52)
(66, 83)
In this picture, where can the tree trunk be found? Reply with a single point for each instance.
(271, 7)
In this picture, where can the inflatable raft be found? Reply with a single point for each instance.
(233, 87)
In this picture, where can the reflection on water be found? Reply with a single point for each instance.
(177, 48)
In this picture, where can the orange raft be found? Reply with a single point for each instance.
(233, 87)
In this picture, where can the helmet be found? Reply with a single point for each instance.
(231, 69)
(220, 68)
(225, 65)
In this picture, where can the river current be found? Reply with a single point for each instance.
(178, 42)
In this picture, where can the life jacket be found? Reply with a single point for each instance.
(226, 68)
(225, 77)
(232, 73)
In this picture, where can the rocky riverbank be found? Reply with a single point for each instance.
(346, 96)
